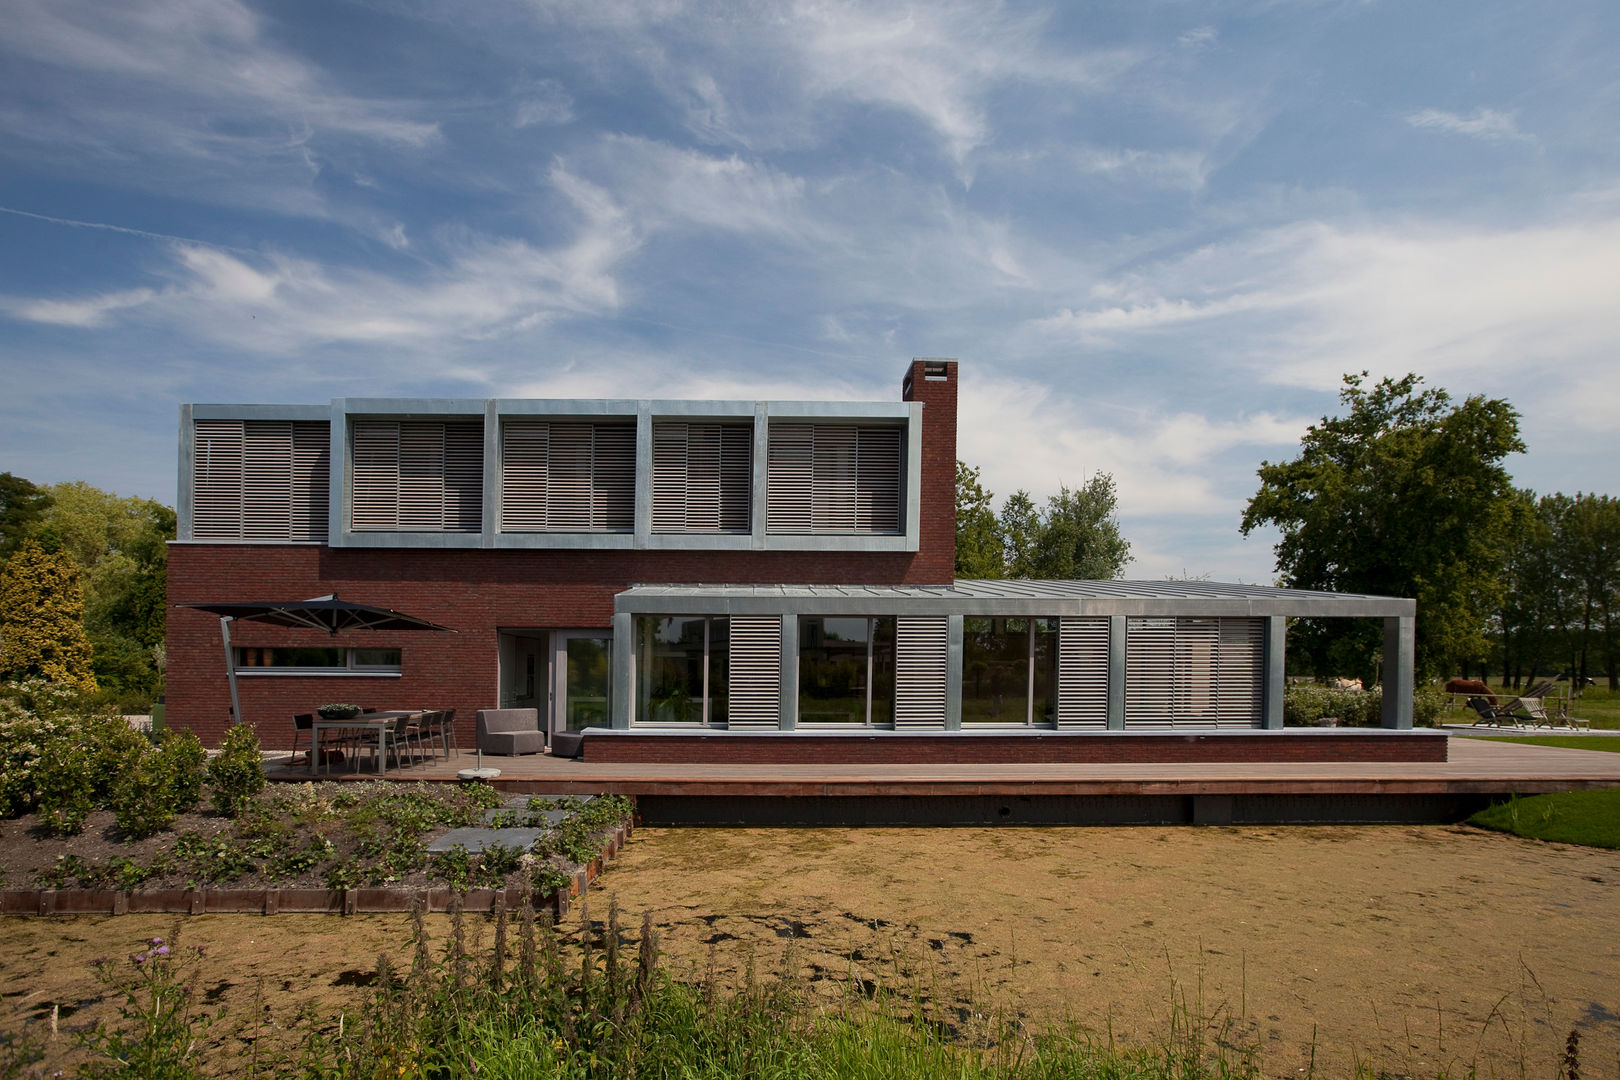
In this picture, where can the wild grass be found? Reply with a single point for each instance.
(595, 1003)
(1591, 818)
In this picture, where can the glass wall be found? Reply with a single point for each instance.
(681, 669)
(1009, 671)
(846, 670)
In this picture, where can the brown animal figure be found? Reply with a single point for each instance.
(1471, 687)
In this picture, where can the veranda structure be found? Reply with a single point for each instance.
(976, 655)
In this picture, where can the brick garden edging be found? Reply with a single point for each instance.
(293, 901)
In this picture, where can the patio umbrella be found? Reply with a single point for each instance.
(321, 613)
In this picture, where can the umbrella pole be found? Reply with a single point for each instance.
(230, 668)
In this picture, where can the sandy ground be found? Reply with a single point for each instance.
(1410, 949)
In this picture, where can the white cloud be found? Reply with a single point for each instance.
(280, 304)
(1199, 37)
(86, 312)
(937, 63)
(545, 103)
(1507, 310)
(1485, 124)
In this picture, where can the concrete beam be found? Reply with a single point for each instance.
(1275, 667)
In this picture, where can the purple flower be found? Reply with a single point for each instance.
(156, 942)
(163, 950)
(138, 958)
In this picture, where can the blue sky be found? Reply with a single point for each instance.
(1155, 234)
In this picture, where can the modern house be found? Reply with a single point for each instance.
(694, 580)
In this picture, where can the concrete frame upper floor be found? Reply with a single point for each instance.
(909, 417)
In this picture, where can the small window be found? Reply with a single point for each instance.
(317, 661)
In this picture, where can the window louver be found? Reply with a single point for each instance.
(1190, 672)
(418, 476)
(755, 655)
(834, 478)
(568, 477)
(260, 479)
(702, 477)
(1083, 673)
(921, 646)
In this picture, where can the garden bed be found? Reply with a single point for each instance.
(311, 847)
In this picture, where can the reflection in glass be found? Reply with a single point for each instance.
(1044, 662)
(681, 660)
(846, 670)
(590, 683)
(995, 671)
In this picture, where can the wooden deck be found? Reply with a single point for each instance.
(1476, 767)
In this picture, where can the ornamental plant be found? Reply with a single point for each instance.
(42, 619)
(156, 784)
(237, 772)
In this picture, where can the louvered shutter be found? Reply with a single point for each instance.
(525, 450)
(462, 495)
(375, 496)
(790, 477)
(613, 473)
(266, 481)
(877, 491)
(216, 480)
(755, 661)
(311, 480)
(1150, 668)
(832, 494)
(1083, 673)
(1241, 681)
(702, 477)
(921, 648)
(1197, 645)
(260, 480)
(568, 477)
(669, 477)
(418, 475)
(834, 478)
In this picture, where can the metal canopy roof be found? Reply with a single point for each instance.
(1012, 597)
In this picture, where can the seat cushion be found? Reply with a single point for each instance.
(512, 742)
(567, 744)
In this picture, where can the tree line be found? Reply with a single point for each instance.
(1405, 493)
(83, 581)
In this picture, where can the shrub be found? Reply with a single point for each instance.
(237, 771)
(156, 784)
(1304, 706)
(65, 785)
(141, 798)
(183, 758)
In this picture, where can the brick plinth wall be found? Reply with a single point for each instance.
(479, 592)
(1017, 748)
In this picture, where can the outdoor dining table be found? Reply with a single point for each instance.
(380, 722)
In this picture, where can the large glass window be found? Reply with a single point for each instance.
(1009, 671)
(846, 670)
(681, 669)
(316, 661)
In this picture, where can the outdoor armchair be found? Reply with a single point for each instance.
(510, 731)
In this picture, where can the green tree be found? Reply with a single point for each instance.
(21, 504)
(1404, 495)
(121, 547)
(1079, 536)
(1075, 536)
(42, 619)
(1590, 542)
(978, 541)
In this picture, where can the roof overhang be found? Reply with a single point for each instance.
(1038, 599)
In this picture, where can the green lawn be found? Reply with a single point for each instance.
(1591, 818)
(1568, 742)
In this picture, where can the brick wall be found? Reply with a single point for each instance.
(480, 591)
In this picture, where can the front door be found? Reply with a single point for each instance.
(582, 674)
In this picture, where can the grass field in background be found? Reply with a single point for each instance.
(1591, 818)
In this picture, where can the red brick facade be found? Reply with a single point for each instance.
(478, 592)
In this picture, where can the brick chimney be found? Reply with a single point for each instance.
(932, 381)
